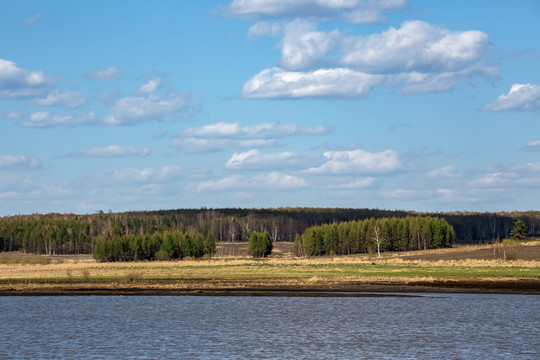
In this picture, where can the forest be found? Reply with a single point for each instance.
(78, 234)
(375, 235)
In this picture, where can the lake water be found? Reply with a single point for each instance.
(432, 326)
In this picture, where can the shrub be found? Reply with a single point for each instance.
(511, 249)
(162, 256)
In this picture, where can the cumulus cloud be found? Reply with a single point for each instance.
(304, 47)
(110, 151)
(521, 97)
(339, 83)
(16, 162)
(137, 109)
(416, 47)
(69, 99)
(17, 83)
(43, 119)
(358, 162)
(417, 57)
(254, 160)
(355, 11)
(149, 86)
(274, 181)
(111, 73)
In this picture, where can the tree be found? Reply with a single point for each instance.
(260, 244)
(519, 232)
(210, 245)
(377, 237)
(170, 245)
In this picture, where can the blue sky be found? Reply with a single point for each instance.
(394, 104)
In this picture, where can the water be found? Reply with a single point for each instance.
(449, 326)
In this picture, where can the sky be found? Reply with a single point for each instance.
(388, 104)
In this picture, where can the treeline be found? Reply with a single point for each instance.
(388, 234)
(158, 246)
(77, 234)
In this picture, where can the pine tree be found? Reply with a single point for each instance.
(519, 232)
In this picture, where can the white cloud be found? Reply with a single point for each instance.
(111, 151)
(137, 109)
(416, 47)
(150, 86)
(417, 58)
(20, 83)
(227, 136)
(532, 146)
(340, 82)
(449, 172)
(67, 99)
(265, 130)
(138, 175)
(220, 129)
(495, 180)
(358, 162)
(356, 11)
(253, 159)
(264, 28)
(303, 47)
(521, 97)
(17, 162)
(515, 177)
(274, 181)
(204, 145)
(45, 119)
(111, 73)
(372, 12)
(228, 183)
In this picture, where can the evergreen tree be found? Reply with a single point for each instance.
(210, 245)
(519, 232)
(260, 244)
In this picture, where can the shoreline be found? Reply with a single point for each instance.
(279, 289)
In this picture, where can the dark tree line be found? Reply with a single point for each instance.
(75, 234)
(385, 234)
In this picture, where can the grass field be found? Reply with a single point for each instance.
(468, 268)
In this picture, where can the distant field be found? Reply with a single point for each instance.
(465, 268)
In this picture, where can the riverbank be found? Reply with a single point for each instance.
(446, 270)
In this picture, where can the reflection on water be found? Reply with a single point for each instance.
(449, 326)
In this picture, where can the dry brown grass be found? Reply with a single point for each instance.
(282, 270)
